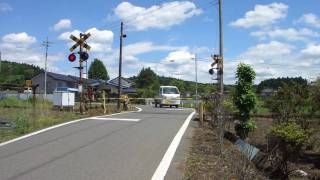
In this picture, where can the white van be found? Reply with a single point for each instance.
(168, 96)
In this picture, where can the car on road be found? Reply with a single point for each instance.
(27, 90)
(168, 96)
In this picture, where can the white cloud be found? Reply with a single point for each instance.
(160, 17)
(100, 40)
(179, 57)
(62, 24)
(267, 51)
(310, 19)
(5, 7)
(262, 15)
(22, 39)
(147, 46)
(290, 34)
(312, 51)
(277, 59)
(132, 62)
(180, 64)
(18, 47)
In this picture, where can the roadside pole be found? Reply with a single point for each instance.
(221, 47)
(46, 44)
(122, 35)
(220, 74)
(196, 73)
(0, 61)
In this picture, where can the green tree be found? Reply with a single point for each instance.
(147, 79)
(97, 70)
(292, 102)
(244, 99)
(16, 73)
(148, 82)
(279, 82)
(315, 96)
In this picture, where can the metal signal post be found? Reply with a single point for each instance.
(81, 42)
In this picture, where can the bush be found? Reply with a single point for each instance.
(289, 139)
(290, 133)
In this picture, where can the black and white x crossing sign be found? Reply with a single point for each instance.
(80, 42)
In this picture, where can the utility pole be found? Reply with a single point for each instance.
(220, 109)
(196, 76)
(122, 35)
(220, 65)
(46, 44)
(0, 61)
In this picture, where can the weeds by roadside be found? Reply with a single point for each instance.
(26, 119)
(204, 161)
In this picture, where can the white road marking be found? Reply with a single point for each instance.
(60, 125)
(163, 167)
(114, 119)
(139, 109)
(180, 109)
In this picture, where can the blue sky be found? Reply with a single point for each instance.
(278, 38)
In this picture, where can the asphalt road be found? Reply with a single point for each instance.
(123, 146)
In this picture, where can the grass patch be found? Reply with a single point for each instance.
(205, 162)
(27, 118)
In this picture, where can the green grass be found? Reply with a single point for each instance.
(14, 102)
(261, 108)
(28, 119)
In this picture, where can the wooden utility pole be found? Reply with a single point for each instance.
(0, 61)
(46, 44)
(220, 65)
(196, 77)
(122, 35)
(220, 109)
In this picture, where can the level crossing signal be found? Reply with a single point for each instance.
(72, 57)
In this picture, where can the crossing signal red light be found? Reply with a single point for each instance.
(72, 57)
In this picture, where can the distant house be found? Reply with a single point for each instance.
(54, 81)
(268, 92)
(59, 81)
(125, 82)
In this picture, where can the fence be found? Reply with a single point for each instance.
(24, 96)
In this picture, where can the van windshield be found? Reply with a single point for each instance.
(170, 90)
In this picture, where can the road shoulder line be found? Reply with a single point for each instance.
(60, 125)
(164, 165)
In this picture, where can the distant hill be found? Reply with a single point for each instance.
(16, 73)
(278, 82)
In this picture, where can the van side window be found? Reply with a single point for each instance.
(160, 91)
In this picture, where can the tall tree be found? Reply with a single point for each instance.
(244, 99)
(147, 79)
(97, 70)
